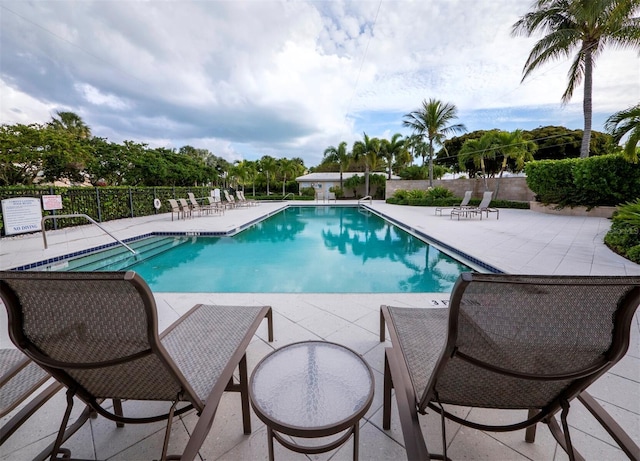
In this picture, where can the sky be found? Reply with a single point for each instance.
(245, 79)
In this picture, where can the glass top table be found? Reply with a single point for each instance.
(311, 389)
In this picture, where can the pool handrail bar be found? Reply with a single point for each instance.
(288, 194)
(80, 215)
(368, 197)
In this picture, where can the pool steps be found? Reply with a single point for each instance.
(117, 258)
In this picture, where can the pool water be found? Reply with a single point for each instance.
(305, 250)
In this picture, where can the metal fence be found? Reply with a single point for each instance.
(102, 203)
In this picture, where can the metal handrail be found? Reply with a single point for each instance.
(365, 198)
(288, 194)
(80, 215)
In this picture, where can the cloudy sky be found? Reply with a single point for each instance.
(283, 78)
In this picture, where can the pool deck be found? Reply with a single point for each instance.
(521, 241)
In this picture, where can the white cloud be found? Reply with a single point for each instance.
(248, 78)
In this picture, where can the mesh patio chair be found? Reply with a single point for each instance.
(483, 207)
(463, 203)
(20, 378)
(96, 332)
(175, 208)
(509, 342)
(230, 200)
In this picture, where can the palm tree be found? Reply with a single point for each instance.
(512, 145)
(71, 122)
(339, 155)
(433, 122)
(478, 150)
(626, 122)
(583, 27)
(393, 150)
(368, 151)
(267, 165)
(287, 168)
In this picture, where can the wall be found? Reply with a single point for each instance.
(511, 188)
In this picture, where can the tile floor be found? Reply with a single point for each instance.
(521, 241)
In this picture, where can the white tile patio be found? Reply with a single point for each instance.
(521, 241)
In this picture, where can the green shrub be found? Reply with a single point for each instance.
(337, 190)
(552, 180)
(624, 235)
(593, 181)
(634, 254)
(400, 194)
(439, 192)
(308, 192)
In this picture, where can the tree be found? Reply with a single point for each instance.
(71, 122)
(512, 146)
(393, 149)
(478, 150)
(339, 155)
(583, 27)
(21, 151)
(433, 121)
(268, 165)
(626, 122)
(367, 151)
(288, 169)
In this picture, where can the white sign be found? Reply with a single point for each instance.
(21, 215)
(52, 202)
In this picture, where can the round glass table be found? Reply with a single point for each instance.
(311, 389)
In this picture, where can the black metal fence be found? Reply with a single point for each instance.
(102, 203)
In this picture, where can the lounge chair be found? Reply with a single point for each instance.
(187, 210)
(217, 207)
(509, 342)
(483, 207)
(463, 203)
(243, 199)
(230, 200)
(175, 208)
(20, 378)
(96, 332)
(215, 194)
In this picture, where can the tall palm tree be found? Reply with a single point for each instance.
(478, 150)
(626, 122)
(72, 123)
(433, 121)
(288, 169)
(367, 151)
(339, 155)
(512, 146)
(268, 165)
(583, 27)
(393, 149)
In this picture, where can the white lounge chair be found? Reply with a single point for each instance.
(464, 203)
(484, 207)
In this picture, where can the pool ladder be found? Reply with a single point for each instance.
(80, 215)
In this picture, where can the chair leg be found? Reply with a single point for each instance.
(117, 409)
(625, 442)
(386, 396)
(382, 327)
(244, 394)
(412, 433)
(530, 432)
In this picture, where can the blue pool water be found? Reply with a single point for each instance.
(304, 250)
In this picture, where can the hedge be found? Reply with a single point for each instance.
(605, 180)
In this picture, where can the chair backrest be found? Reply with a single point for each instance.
(466, 198)
(240, 196)
(174, 205)
(486, 199)
(216, 194)
(183, 203)
(228, 196)
(94, 331)
(519, 341)
(192, 198)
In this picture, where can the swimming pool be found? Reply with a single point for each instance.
(300, 250)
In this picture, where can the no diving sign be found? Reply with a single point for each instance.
(21, 215)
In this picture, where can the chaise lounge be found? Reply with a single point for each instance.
(96, 333)
(516, 342)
